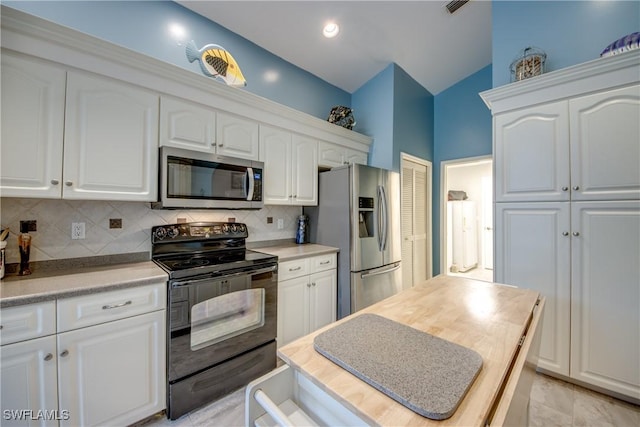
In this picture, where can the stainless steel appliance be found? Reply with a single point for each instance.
(194, 179)
(369, 242)
(222, 302)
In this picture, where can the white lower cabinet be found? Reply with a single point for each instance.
(583, 257)
(307, 296)
(112, 374)
(105, 365)
(29, 383)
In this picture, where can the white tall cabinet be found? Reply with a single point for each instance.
(567, 214)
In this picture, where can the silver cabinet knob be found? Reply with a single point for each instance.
(565, 233)
(48, 357)
(55, 182)
(65, 353)
(308, 285)
(576, 188)
(575, 233)
(565, 188)
(213, 144)
(68, 183)
(220, 145)
(313, 284)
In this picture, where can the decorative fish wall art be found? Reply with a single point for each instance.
(215, 61)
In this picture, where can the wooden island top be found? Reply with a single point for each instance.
(485, 317)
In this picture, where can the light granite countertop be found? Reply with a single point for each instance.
(16, 290)
(291, 251)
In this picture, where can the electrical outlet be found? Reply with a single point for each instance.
(29, 225)
(280, 223)
(115, 222)
(269, 220)
(77, 230)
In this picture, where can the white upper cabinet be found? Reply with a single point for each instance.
(32, 127)
(275, 152)
(184, 124)
(305, 170)
(237, 137)
(532, 154)
(605, 150)
(332, 155)
(291, 167)
(111, 140)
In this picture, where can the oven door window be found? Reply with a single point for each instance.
(226, 316)
(198, 179)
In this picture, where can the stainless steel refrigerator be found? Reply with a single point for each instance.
(359, 212)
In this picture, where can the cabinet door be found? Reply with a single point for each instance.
(293, 309)
(605, 145)
(32, 127)
(187, 125)
(275, 152)
(29, 382)
(330, 155)
(305, 171)
(533, 251)
(113, 373)
(355, 157)
(111, 140)
(532, 154)
(323, 299)
(605, 295)
(237, 137)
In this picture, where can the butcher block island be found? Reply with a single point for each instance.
(491, 324)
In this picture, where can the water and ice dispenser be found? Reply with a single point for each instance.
(365, 217)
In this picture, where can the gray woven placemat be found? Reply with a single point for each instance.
(427, 374)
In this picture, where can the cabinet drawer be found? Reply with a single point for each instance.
(79, 312)
(323, 262)
(27, 321)
(291, 269)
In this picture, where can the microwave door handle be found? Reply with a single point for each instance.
(251, 183)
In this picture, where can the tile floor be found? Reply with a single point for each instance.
(553, 403)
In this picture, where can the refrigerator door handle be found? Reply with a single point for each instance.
(379, 214)
(385, 219)
(376, 272)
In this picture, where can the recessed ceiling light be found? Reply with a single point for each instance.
(331, 30)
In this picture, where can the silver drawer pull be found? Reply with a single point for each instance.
(325, 262)
(109, 307)
(48, 357)
(295, 269)
(65, 353)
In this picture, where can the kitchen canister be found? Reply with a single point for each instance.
(3, 246)
(302, 232)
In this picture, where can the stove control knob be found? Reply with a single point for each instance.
(234, 228)
(173, 232)
(225, 228)
(161, 233)
(242, 228)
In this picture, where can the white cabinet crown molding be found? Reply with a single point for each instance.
(34, 36)
(591, 76)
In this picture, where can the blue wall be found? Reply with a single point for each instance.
(413, 119)
(373, 110)
(569, 32)
(462, 129)
(399, 112)
(142, 26)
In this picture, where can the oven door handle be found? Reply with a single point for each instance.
(178, 284)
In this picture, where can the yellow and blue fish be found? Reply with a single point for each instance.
(215, 61)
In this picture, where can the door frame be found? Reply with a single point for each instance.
(429, 166)
(444, 168)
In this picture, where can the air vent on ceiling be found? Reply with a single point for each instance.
(455, 5)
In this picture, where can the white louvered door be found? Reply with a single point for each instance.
(416, 254)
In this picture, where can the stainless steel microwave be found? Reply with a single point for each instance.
(197, 180)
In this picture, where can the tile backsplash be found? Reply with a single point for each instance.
(52, 240)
